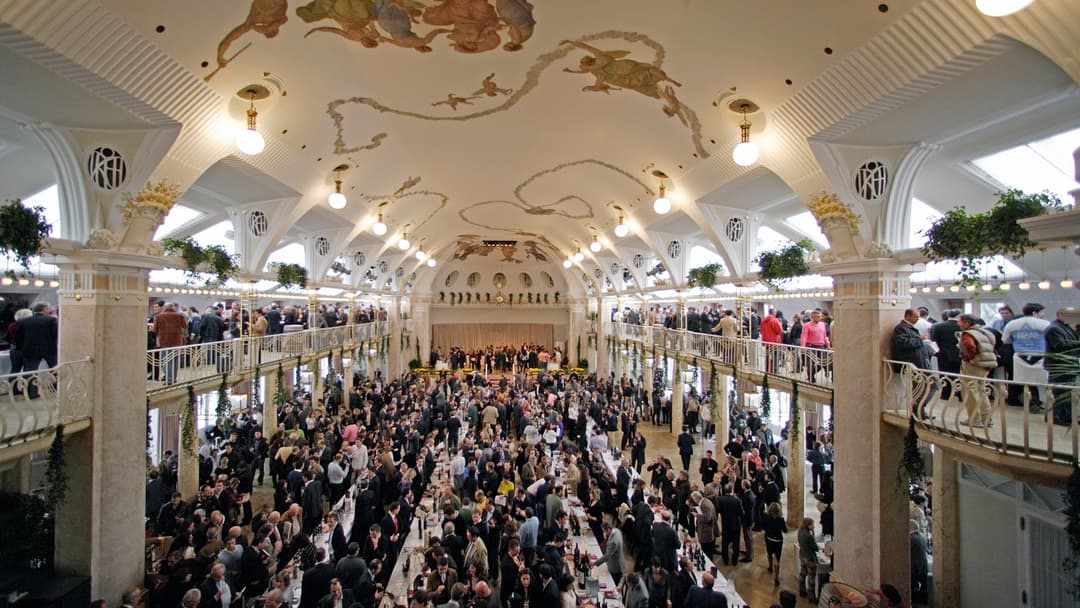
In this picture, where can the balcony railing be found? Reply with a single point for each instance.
(205, 361)
(951, 404)
(813, 365)
(33, 402)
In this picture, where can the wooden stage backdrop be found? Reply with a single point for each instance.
(472, 336)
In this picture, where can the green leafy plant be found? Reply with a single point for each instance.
(213, 258)
(1072, 527)
(281, 396)
(415, 364)
(187, 424)
(777, 266)
(912, 469)
(256, 398)
(714, 393)
(973, 239)
(704, 276)
(795, 430)
(26, 532)
(223, 397)
(56, 474)
(766, 398)
(23, 231)
(291, 274)
(583, 363)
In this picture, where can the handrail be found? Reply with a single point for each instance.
(32, 402)
(208, 360)
(942, 401)
(796, 363)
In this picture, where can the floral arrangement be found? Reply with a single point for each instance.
(159, 195)
(827, 205)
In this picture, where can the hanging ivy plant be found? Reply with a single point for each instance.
(281, 397)
(299, 363)
(56, 473)
(149, 431)
(830, 425)
(973, 239)
(223, 397)
(23, 231)
(704, 276)
(291, 275)
(256, 398)
(789, 261)
(714, 393)
(766, 399)
(213, 258)
(912, 469)
(1072, 527)
(187, 424)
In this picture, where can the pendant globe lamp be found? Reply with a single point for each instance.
(746, 152)
(250, 141)
(379, 227)
(336, 199)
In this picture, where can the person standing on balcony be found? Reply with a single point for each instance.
(170, 327)
(815, 334)
(772, 333)
(944, 334)
(977, 358)
(1063, 350)
(1028, 339)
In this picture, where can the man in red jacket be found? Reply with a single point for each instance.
(772, 333)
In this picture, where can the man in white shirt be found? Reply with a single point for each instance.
(457, 469)
(1027, 336)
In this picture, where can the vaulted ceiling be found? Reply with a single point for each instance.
(533, 122)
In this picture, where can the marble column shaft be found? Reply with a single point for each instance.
(946, 530)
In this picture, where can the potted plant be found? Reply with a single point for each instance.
(789, 261)
(972, 239)
(704, 276)
(213, 259)
(23, 231)
(838, 221)
(291, 274)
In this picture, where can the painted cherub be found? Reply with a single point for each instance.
(357, 20)
(612, 71)
(264, 17)
(490, 88)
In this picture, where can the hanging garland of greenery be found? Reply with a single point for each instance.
(56, 474)
(787, 262)
(256, 398)
(213, 258)
(795, 430)
(911, 469)
(766, 399)
(634, 361)
(1072, 526)
(830, 426)
(149, 432)
(704, 276)
(578, 351)
(299, 363)
(23, 231)
(223, 397)
(714, 393)
(291, 275)
(187, 424)
(281, 396)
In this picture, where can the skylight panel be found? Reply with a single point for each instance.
(769, 239)
(702, 256)
(922, 217)
(49, 200)
(1046, 164)
(806, 224)
(219, 234)
(289, 254)
(178, 216)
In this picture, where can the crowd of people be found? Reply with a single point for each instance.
(496, 462)
(499, 359)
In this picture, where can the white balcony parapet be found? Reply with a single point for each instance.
(940, 401)
(32, 403)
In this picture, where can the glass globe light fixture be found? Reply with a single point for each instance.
(431, 262)
(662, 204)
(1000, 8)
(595, 246)
(567, 263)
(746, 152)
(578, 256)
(337, 200)
(249, 140)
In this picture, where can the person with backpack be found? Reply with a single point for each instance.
(977, 358)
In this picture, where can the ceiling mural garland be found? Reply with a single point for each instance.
(551, 208)
(405, 191)
(613, 71)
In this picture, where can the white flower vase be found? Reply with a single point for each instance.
(843, 239)
(141, 226)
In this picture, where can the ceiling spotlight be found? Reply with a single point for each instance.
(595, 246)
(1000, 8)
(621, 229)
(578, 256)
(250, 141)
(661, 205)
(567, 263)
(379, 228)
(431, 262)
(337, 200)
(746, 152)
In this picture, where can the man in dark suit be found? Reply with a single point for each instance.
(665, 542)
(217, 589)
(440, 582)
(948, 357)
(705, 596)
(338, 595)
(273, 320)
(338, 542)
(37, 337)
(907, 344)
(351, 569)
(683, 582)
(730, 511)
(311, 502)
(316, 582)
